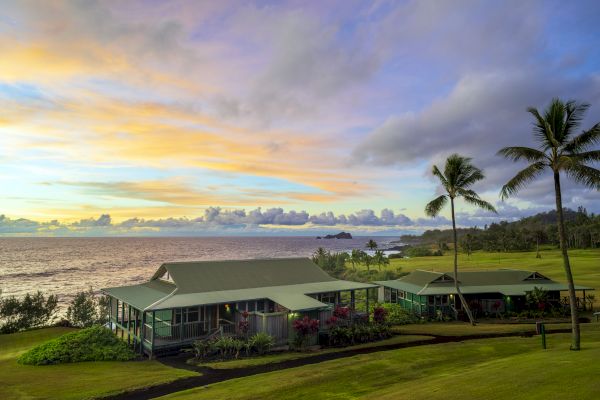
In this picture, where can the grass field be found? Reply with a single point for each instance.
(466, 329)
(502, 368)
(585, 264)
(71, 381)
(290, 355)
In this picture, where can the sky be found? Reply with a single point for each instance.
(272, 117)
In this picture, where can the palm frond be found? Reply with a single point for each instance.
(584, 140)
(434, 207)
(574, 116)
(584, 174)
(540, 129)
(440, 176)
(554, 116)
(521, 179)
(476, 201)
(517, 153)
(588, 156)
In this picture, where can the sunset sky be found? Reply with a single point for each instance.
(237, 117)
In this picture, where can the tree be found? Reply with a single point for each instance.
(356, 257)
(559, 150)
(458, 176)
(367, 260)
(380, 259)
(86, 310)
(32, 311)
(371, 244)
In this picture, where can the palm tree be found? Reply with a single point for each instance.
(380, 259)
(356, 257)
(459, 174)
(559, 150)
(371, 244)
(367, 259)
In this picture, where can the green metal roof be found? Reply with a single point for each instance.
(509, 282)
(143, 295)
(284, 281)
(292, 297)
(210, 276)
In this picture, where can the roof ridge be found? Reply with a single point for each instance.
(235, 260)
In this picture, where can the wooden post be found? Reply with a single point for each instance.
(128, 324)
(110, 312)
(217, 315)
(122, 318)
(181, 325)
(142, 331)
(583, 300)
(153, 333)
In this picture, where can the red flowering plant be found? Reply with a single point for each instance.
(305, 328)
(379, 315)
(244, 324)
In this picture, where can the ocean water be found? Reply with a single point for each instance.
(65, 266)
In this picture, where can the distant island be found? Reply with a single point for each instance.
(341, 235)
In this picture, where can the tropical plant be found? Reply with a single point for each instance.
(537, 298)
(559, 149)
(305, 328)
(261, 342)
(380, 259)
(204, 348)
(379, 315)
(458, 176)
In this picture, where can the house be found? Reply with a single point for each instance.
(185, 301)
(430, 293)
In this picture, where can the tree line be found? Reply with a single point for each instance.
(582, 232)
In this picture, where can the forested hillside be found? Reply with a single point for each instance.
(583, 231)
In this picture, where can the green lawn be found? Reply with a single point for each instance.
(71, 381)
(501, 368)
(290, 355)
(466, 329)
(585, 263)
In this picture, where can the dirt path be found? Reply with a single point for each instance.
(210, 376)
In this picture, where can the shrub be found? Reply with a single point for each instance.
(261, 343)
(305, 328)
(204, 348)
(340, 336)
(418, 252)
(87, 309)
(398, 315)
(33, 311)
(91, 344)
(379, 315)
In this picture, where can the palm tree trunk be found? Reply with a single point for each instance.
(575, 339)
(458, 292)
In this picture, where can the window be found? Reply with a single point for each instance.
(328, 298)
(394, 296)
(192, 315)
(387, 294)
(401, 294)
(251, 306)
(260, 306)
(177, 316)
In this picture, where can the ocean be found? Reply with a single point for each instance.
(65, 266)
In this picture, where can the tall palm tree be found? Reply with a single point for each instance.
(458, 176)
(356, 257)
(560, 149)
(380, 259)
